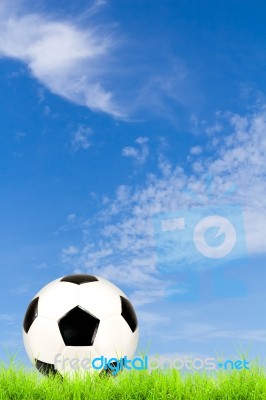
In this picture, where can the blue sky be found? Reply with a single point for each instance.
(115, 114)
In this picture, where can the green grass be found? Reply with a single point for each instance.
(20, 384)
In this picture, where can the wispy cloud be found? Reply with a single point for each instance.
(72, 223)
(195, 150)
(124, 243)
(167, 90)
(67, 59)
(197, 332)
(85, 63)
(71, 218)
(81, 138)
(42, 265)
(10, 340)
(95, 8)
(149, 321)
(21, 289)
(70, 251)
(7, 317)
(139, 153)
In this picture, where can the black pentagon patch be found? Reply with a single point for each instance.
(78, 327)
(31, 314)
(128, 313)
(45, 368)
(78, 279)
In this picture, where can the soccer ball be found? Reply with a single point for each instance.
(79, 317)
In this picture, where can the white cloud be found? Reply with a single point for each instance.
(217, 127)
(7, 317)
(21, 289)
(81, 138)
(70, 251)
(195, 150)
(141, 140)
(140, 153)
(71, 217)
(122, 245)
(42, 265)
(130, 152)
(198, 331)
(10, 340)
(93, 9)
(67, 59)
(166, 89)
(78, 60)
(148, 321)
